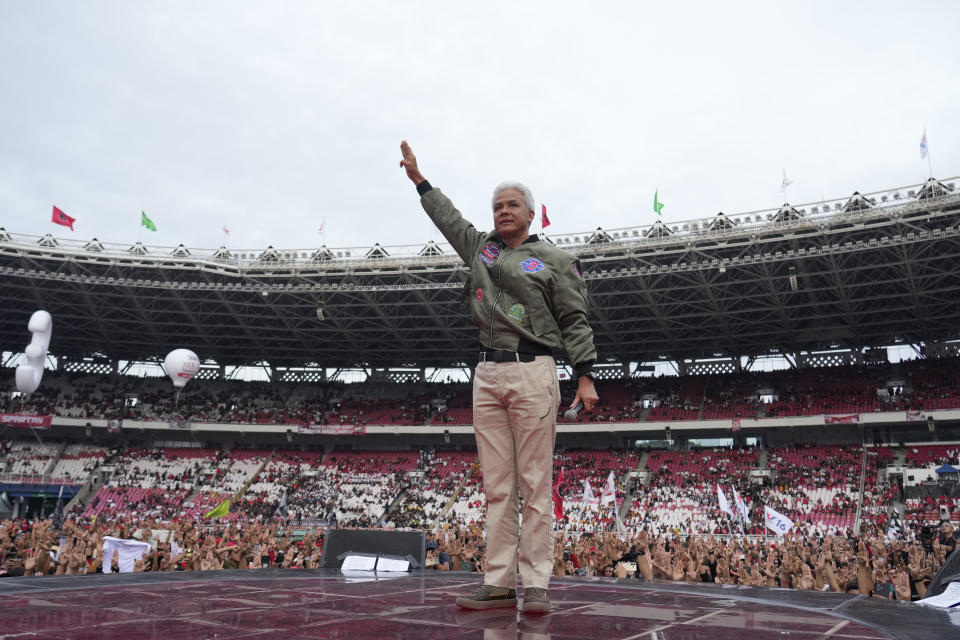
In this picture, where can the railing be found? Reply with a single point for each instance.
(37, 478)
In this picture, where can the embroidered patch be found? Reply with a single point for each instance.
(576, 270)
(479, 295)
(517, 312)
(532, 265)
(490, 253)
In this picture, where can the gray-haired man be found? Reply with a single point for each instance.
(529, 300)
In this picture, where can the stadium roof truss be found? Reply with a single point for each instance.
(866, 270)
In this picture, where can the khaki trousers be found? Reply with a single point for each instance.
(515, 419)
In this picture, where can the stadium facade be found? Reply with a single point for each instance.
(853, 273)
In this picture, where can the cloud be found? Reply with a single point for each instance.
(275, 118)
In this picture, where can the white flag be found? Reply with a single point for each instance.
(923, 145)
(741, 506)
(588, 493)
(894, 531)
(724, 505)
(777, 522)
(786, 183)
(609, 491)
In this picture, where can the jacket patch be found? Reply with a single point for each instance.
(479, 295)
(532, 265)
(490, 253)
(517, 312)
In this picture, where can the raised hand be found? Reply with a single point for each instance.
(409, 163)
(901, 584)
(806, 578)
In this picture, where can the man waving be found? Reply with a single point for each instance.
(528, 300)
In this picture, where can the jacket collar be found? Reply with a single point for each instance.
(493, 236)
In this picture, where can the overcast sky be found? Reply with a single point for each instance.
(276, 116)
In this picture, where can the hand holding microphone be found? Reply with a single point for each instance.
(586, 398)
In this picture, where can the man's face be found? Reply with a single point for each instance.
(510, 213)
(946, 529)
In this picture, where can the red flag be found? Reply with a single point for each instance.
(557, 500)
(545, 221)
(59, 217)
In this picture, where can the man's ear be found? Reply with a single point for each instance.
(530, 216)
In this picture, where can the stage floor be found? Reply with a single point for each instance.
(279, 604)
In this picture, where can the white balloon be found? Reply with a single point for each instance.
(181, 365)
(30, 374)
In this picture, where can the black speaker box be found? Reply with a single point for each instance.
(389, 543)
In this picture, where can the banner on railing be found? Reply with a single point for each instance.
(114, 426)
(178, 424)
(735, 424)
(915, 414)
(333, 429)
(852, 418)
(27, 422)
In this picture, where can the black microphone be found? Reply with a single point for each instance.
(573, 412)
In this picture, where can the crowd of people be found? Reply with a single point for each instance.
(669, 523)
(875, 562)
(819, 485)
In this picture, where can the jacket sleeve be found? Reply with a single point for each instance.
(458, 231)
(570, 311)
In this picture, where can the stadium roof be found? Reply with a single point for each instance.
(864, 270)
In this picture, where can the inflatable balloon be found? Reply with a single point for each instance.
(30, 374)
(181, 365)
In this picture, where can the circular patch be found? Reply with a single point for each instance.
(532, 265)
(517, 312)
(479, 295)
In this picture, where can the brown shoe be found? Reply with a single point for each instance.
(489, 597)
(535, 600)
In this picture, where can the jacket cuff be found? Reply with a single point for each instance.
(583, 369)
(424, 187)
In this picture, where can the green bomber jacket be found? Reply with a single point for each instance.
(534, 293)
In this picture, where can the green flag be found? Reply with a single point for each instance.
(657, 205)
(147, 222)
(220, 510)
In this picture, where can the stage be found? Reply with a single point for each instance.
(285, 604)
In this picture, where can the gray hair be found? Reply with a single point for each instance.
(519, 186)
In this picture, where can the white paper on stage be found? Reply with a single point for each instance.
(359, 562)
(392, 564)
(948, 599)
